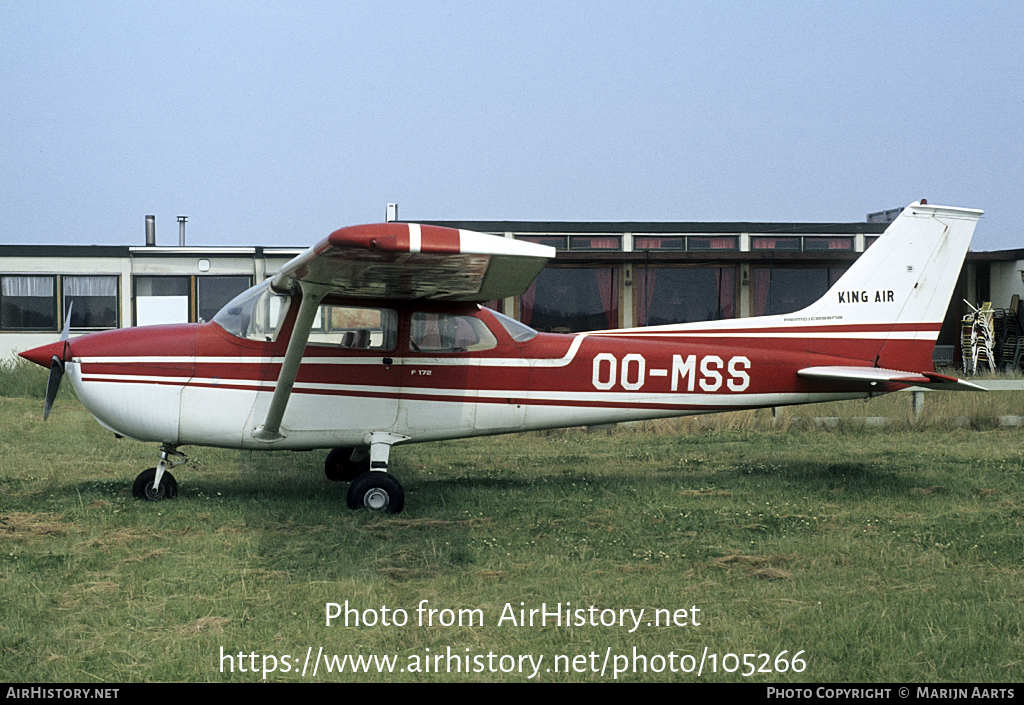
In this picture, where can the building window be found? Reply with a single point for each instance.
(161, 300)
(93, 301)
(576, 242)
(775, 243)
(184, 299)
(693, 243)
(564, 300)
(784, 290)
(664, 295)
(659, 242)
(828, 243)
(699, 243)
(28, 303)
(214, 293)
(799, 243)
(595, 242)
(559, 242)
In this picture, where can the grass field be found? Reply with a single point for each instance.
(760, 549)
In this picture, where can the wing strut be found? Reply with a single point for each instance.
(312, 295)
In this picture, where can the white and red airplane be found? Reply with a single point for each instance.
(376, 337)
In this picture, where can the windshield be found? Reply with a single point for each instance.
(520, 332)
(255, 314)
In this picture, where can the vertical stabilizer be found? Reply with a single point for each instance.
(901, 286)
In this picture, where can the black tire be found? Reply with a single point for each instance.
(339, 466)
(377, 492)
(143, 487)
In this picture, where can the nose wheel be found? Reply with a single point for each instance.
(145, 486)
(156, 483)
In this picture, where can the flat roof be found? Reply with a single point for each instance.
(143, 250)
(603, 227)
(533, 227)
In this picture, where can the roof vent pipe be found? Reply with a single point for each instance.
(150, 231)
(181, 230)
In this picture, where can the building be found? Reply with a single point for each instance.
(615, 275)
(606, 275)
(119, 286)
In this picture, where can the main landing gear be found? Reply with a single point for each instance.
(372, 487)
(376, 491)
(156, 483)
(346, 464)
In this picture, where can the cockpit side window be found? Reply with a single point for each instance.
(355, 327)
(449, 333)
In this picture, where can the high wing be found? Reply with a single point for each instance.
(409, 261)
(396, 261)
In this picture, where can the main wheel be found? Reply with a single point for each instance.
(339, 466)
(376, 491)
(143, 487)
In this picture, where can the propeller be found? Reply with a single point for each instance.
(57, 366)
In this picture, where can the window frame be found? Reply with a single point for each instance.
(323, 325)
(67, 299)
(485, 338)
(52, 306)
(612, 316)
(727, 290)
(193, 293)
(58, 300)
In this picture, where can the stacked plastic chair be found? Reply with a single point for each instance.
(976, 339)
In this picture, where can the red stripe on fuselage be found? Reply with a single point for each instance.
(777, 331)
(563, 364)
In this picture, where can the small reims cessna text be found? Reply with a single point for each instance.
(376, 336)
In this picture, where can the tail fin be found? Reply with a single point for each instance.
(901, 286)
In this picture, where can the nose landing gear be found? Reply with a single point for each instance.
(156, 483)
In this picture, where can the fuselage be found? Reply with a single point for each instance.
(432, 370)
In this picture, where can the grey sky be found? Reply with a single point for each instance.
(273, 123)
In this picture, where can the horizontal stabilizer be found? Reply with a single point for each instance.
(872, 376)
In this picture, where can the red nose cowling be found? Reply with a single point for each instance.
(43, 355)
